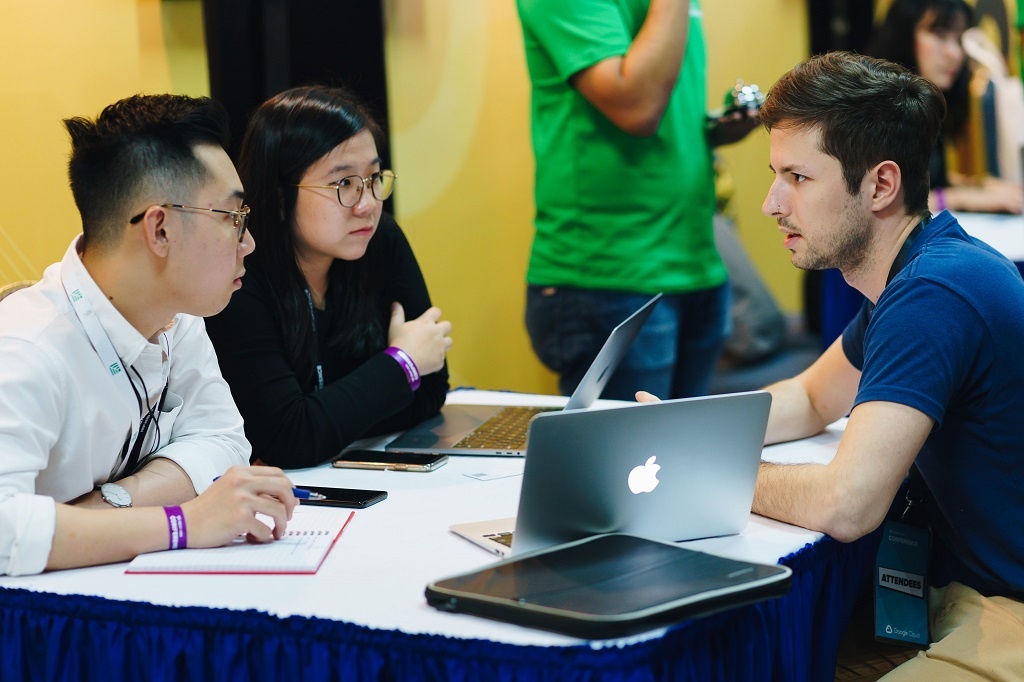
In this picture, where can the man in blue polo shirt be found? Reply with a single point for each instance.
(928, 370)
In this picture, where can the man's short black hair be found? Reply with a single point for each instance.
(140, 148)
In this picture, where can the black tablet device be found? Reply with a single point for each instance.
(608, 586)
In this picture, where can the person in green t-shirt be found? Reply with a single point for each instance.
(624, 191)
(1020, 42)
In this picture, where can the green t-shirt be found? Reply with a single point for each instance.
(616, 211)
(1020, 44)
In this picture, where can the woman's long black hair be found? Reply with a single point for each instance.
(285, 136)
(894, 40)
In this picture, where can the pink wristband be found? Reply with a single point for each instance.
(940, 198)
(412, 373)
(176, 528)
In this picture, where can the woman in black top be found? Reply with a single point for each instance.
(316, 346)
(925, 37)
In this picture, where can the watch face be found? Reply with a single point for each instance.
(115, 495)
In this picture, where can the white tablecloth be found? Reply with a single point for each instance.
(1004, 233)
(376, 573)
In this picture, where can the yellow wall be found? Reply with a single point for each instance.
(769, 40)
(458, 95)
(63, 59)
(459, 98)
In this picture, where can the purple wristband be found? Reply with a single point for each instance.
(176, 528)
(412, 373)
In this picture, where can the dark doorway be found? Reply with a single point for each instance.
(257, 48)
(840, 24)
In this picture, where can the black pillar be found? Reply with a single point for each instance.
(257, 48)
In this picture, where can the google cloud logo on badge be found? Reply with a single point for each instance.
(644, 478)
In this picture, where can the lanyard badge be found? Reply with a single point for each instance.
(901, 582)
(104, 348)
(901, 565)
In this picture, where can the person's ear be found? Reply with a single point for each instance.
(154, 230)
(886, 185)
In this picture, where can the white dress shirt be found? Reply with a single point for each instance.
(64, 420)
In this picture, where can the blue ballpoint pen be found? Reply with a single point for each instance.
(302, 493)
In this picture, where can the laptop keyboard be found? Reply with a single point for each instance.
(501, 538)
(505, 430)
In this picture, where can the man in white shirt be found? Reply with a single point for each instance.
(114, 418)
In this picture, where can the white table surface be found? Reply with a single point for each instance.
(1004, 233)
(376, 573)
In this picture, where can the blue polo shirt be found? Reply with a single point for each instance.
(944, 338)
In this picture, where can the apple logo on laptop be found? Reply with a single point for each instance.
(644, 478)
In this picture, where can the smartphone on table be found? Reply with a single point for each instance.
(393, 461)
(351, 498)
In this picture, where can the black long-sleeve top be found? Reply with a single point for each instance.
(290, 424)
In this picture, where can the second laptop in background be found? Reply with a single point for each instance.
(501, 430)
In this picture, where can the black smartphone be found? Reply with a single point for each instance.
(345, 497)
(394, 461)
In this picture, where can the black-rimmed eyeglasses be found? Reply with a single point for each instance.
(350, 188)
(241, 216)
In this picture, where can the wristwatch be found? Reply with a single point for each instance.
(115, 495)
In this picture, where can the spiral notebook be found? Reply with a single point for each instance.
(311, 534)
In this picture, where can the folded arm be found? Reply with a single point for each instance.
(87, 537)
(807, 403)
(60, 435)
(848, 497)
(633, 90)
(291, 426)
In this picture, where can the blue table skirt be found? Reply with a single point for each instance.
(61, 637)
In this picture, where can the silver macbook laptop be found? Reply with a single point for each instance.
(501, 430)
(675, 470)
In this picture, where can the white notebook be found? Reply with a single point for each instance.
(311, 533)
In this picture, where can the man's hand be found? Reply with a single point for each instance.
(228, 508)
(224, 512)
(732, 127)
(645, 397)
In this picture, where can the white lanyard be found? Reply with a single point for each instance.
(105, 348)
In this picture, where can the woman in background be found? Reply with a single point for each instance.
(316, 345)
(925, 36)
